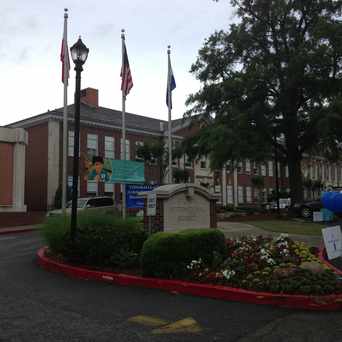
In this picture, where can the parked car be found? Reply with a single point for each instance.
(84, 203)
(306, 209)
(284, 203)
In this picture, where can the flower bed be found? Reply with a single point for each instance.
(263, 264)
(307, 302)
(201, 256)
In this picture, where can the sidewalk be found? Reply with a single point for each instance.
(237, 229)
(19, 229)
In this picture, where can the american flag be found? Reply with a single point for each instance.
(126, 77)
(171, 85)
(66, 63)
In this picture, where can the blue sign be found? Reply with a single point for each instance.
(132, 200)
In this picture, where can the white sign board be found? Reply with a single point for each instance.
(317, 216)
(151, 204)
(332, 240)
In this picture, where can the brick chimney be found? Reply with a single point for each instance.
(90, 97)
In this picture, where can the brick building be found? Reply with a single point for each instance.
(100, 134)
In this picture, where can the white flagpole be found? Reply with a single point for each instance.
(123, 129)
(65, 113)
(169, 108)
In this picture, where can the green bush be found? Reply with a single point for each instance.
(167, 254)
(100, 240)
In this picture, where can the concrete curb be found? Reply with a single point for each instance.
(318, 303)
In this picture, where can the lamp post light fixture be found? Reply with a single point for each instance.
(79, 54)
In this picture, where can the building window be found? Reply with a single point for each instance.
(270, 192)
(239, 167)
(70, 178)
(230, 199)
(240, 194)
(109, 187)
(256, 194)
(127, 150)
(92, 146)
(203, 163)
(248, 194)
(71, 137)
(270, 168)
(137, 145)
(91, 186)
(175, 145)
(255, 169)
(286, 171)
(311, 174)
(187, 161)
(109, 148)
(248, 165)
(263, 169)
(330, 172)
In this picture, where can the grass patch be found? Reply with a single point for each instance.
(289, 226)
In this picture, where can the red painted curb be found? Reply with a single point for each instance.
(322, 255)
(15, 231)
(322, 303)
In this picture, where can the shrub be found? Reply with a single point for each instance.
(167, 254)
(56, 233)
(101, 239)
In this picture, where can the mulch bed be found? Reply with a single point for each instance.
(61, 259)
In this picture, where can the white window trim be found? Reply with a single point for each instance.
(270, 168)
(248, 165)
(109, 153)
(93, 138)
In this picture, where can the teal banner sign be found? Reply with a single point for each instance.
(115, 171)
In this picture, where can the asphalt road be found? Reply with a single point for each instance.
(36, 305)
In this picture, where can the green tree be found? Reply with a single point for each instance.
(155, 152)
(181, 176)
(278, 69)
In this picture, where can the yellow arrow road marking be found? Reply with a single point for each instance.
(149, 321)
(186, 325)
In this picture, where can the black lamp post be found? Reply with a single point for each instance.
(276, 165)
(79, 54)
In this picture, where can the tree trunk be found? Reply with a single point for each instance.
(294, 159)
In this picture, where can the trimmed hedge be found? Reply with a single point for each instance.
(166, 254)
(101, 239)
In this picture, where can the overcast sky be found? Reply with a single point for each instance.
(30, 40)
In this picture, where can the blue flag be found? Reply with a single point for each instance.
(171, 84)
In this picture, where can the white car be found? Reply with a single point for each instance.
(86, 203)
(284, 203)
